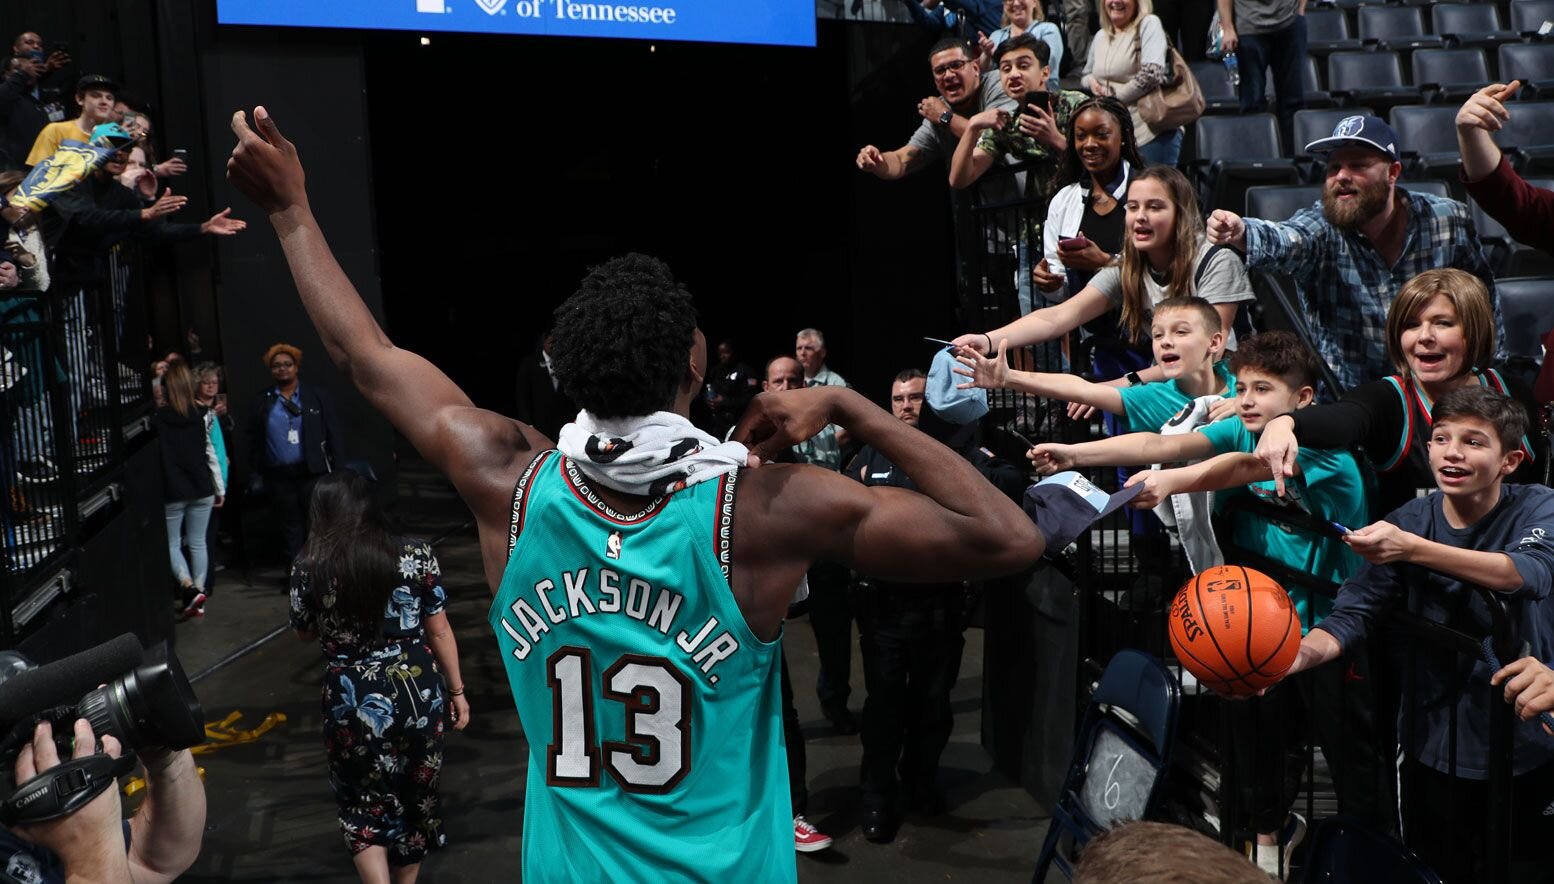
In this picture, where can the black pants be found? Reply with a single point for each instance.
(831, 616)
(912, 638)
(1444, 822)
(1190, 18)
(1335, 702)
(291, 493)
(793, 742)
(1283, 51)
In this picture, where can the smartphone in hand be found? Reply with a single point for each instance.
(1042, 100)
(1077, 242)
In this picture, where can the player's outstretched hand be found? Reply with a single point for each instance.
(1529, 686)
(264, 165)
(782, 419)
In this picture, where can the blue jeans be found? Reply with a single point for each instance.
(1283, 51)
(191, 518)
(1165, 150)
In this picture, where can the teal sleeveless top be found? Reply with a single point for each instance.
(652, 712)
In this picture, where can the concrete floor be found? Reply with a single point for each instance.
(271, 814)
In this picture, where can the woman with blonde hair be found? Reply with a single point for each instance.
(1128, 60)
(1440, 336)
(191, 481)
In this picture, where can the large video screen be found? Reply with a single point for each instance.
(778, 22)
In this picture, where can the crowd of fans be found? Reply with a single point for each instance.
(1396, 308)
(1429, 458)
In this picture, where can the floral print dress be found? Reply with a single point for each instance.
(384, 710)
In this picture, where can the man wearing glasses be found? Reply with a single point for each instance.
(964, 91)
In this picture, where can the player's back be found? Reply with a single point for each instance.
(652, 711)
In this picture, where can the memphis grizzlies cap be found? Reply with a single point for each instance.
(1359, 131)
(1065, 505)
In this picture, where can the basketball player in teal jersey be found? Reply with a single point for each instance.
(640, 630)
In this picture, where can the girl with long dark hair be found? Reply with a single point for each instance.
(375, 603)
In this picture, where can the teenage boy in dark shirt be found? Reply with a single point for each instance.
(1475, 530)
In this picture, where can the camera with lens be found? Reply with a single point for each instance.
(141, 697)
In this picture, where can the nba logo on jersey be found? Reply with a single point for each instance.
(612, 546)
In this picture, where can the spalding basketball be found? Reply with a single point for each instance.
(1235, 629)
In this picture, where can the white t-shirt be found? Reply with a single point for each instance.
(1224, 281)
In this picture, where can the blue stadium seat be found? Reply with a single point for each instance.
(1529, 15)
(1528, 136)
(1327, 31)
(1395, 27)
(1471, 24)
(1369, 78)
(1533, 64)
(1527, 304)
(1427, 138)
(1507, 257)
(1219, 96)
(1237, 152)
(1450, 74)
(1280, 202)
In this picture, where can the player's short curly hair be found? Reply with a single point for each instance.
(621, 340)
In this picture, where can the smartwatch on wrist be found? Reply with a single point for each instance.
(1133, 379)
(946, 117)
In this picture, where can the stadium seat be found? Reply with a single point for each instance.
(1432, 186)
(1132, 748)
(1279, 307)
(1219, 96)
(1450, 74)
(1327, 31)
(1313, 124)
(1527, 303)
(1370, 78)
(1471, 24)
(1528, 137)
(1533, 64)
(1427, 138)
(1507, 257)
(1527, 16)
(1234, 153)
(1345, 849)
(1312, 93)
(1395, 27)
(1281, 202)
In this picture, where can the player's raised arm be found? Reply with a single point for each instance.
(416, 397)
(958, 527)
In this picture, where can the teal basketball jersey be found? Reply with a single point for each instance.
(652, 712)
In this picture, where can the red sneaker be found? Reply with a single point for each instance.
(807, 838)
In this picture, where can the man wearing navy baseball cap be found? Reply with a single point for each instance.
(1349, 255)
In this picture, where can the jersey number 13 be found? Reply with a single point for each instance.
(656, 752)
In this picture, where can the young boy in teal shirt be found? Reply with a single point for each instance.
(1276, 373)
(1187, 339)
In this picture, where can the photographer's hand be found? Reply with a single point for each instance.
(90, 842)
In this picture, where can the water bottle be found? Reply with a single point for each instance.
(1233, 70)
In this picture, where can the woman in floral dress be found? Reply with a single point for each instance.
(375, 603)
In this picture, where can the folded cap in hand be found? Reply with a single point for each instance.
(948, 402)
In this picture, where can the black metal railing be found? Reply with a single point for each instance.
(74, 394)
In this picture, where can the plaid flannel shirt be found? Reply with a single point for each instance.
(1346, 286)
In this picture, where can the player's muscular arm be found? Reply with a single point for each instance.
(480, 451)
(959, 527)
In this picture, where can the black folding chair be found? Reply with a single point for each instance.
(1527, 16)
(1450, 74)
(1395, 27)
(1124, 747)
(1471, 24)
(1533, 64)
(1529, 136)
(1374, 79)
(1527, 305)
(1279, 203)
